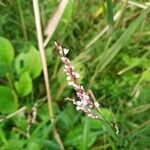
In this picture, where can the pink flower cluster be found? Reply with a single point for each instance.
(85, 103)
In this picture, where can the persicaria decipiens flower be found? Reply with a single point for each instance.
(85, 103)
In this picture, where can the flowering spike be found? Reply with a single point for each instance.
(86, 103)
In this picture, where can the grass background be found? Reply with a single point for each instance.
(115, 68)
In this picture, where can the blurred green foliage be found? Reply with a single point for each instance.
(115, 68)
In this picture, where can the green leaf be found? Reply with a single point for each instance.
(66, 17)
(74, 137)
(106, 113)
(29, 62)
(146, 75)
(85, 134)
(68, 11)
(33, 145)
(2, 136)
(24, 85)
(108, 55)
(78, 138)
(49, 55)
(110, 19)
(6, 52)
(8, 100)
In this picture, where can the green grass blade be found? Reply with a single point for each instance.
(108, 55)
(85, 134)
(110, 15)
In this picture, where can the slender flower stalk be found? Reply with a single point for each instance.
(85, 103)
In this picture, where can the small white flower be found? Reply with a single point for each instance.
(81, 87)
(63, 59)
(96, 117)
(73, 73)
(89, 115)
(90, 106)
(79, 103)
(93, 117)
(76, 86)
(68, 78)
(77, 75)
(66, 51)
(79, 94)
(84, 103)
(70, 83)
(86, 97)
(78, 108)
(67, 73)
(67, 67)
(96, 104)
(67, 60)
(65, 70)
(60, 52)
(55, 43)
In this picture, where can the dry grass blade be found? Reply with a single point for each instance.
(45, 71)
(121, 13)
(102, 32)
(137, 4)
(22, 109)
(108, 55)
(116, 16)
(53, 22)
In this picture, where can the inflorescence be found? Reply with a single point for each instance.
(85, 103)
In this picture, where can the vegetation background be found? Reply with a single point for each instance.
(110, 52)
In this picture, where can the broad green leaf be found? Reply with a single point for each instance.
(3, 70)
(29, 62)
(24, 85)
(6, 52)
(8, 100)
(108, 55)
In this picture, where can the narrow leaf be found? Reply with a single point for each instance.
(85, 134)
(110, 15)
(108, 55)
(53, 22)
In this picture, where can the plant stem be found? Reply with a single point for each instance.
(23, 24)
(22, 109)
(125, 2)
(45, 71)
